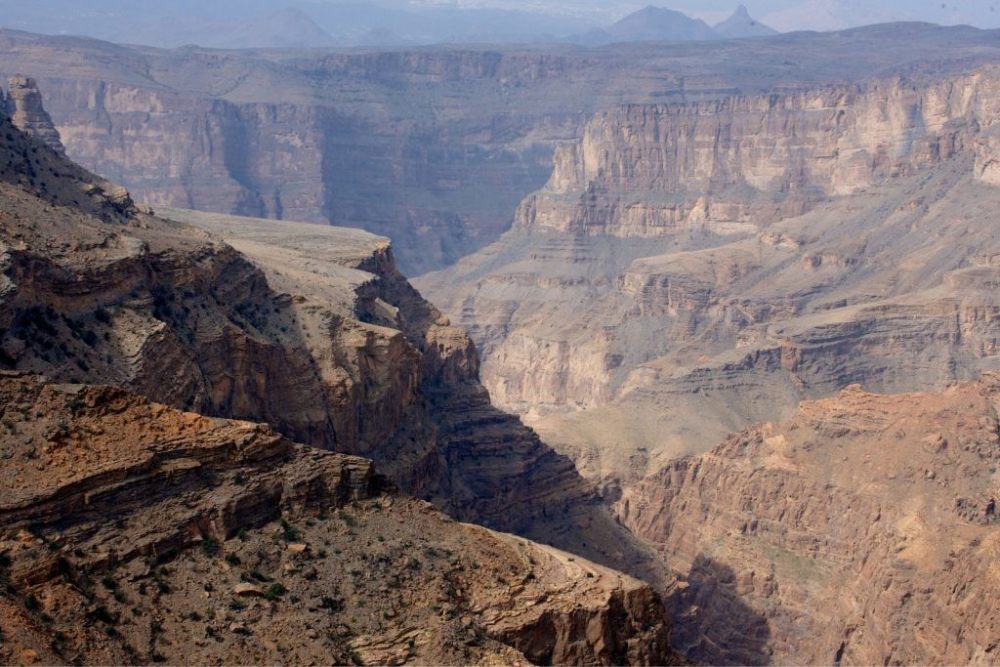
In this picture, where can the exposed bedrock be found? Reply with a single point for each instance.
(433, 148)
(132, 533)
(626, 338)
(854, 533)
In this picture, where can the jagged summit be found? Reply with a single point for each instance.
(741, 24)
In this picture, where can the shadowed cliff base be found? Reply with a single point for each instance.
(713, 625)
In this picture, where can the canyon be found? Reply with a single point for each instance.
(690, 270)
(135, 344)
(714, 344)
(433, 148)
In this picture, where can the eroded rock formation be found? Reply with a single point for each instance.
(23, 104)
(854, 533)
(667, 288)
(134, 533)
(432, 148)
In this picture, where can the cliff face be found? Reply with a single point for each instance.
(134, 533)
(327, 342)
(23, 105)
(147, 499)
(432, 148)
(649, 171)
(853, 533)
(626, 341)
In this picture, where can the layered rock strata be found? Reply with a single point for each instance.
(626, 338)
(856, 532)
(134, 533)
(327, 343)
(431, 147)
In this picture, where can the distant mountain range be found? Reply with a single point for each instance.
(659, 24)
(315, 23)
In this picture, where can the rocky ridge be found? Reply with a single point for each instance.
(134, 533)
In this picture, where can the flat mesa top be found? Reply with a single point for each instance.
(343, 245)
(312, 260)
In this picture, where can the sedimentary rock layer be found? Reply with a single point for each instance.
(626, 336)
(433, 148)
(854, 533)
(134, 533)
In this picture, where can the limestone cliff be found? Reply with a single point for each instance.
(133, 533)
(433, 148)
(648, 171)
(627, 340)
(854, 533)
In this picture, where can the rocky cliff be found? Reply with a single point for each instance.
(312, 331)
(23, 105)
(854, 533)
(134, 533)
(97, 291)
(618, 327)
(431, 147)
(649, 171)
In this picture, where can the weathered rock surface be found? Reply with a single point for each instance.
(627, 337)
(23, 104)
(650, 171)
(432, 148)
(134, 533)
(853, 533)
(327, 343)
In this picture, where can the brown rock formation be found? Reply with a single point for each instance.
(328, 344)
(853, 533)
(134, 533)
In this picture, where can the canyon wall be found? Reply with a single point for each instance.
(317, 335)
(857, 529)
(433, 148)
(137, 524)
(827, 238)
(649, 171)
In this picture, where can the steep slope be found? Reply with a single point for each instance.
(327, 343)
(433, 148)
(685, 274)
(857, 529)
(741, 25)
(134, 533)
(96, 291)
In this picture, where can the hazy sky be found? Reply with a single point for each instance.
(784, 14)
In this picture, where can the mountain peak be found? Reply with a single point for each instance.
(741, 24)
(654, 23)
